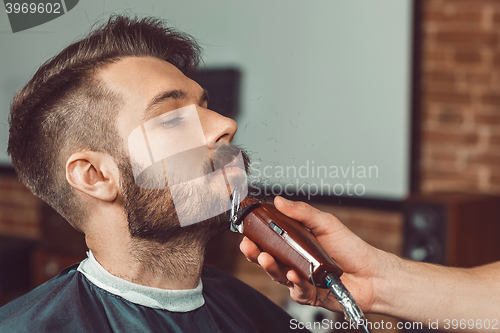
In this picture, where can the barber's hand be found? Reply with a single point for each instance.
(359, 261)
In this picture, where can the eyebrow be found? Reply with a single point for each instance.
(164, 96)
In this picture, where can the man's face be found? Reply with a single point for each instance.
(154, 91)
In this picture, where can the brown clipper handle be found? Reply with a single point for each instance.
(289, 242)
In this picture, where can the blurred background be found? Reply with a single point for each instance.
(409, 88)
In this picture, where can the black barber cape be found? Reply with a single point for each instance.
(71, 303)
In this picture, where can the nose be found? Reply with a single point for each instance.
(217, 128)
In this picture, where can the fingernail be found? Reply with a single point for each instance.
(287, 202)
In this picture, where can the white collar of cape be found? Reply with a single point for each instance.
(171, 300)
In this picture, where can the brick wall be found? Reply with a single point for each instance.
(460, 144)
(19, 209)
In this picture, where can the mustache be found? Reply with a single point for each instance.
(224, 154)
(191, 164)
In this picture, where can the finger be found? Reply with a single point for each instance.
(249, 249)
(297, 280)
(302, 291)
(317, 221)
(302, 286)
(275, 270)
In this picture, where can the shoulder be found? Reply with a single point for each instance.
(44, 306)
(215, 280)
(242, 301)
(223, 283)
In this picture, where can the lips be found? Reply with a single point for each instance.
(234, 167)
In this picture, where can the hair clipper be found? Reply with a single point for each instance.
(285, 239)
(289, 242)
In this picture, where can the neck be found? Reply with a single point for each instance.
(173, 265)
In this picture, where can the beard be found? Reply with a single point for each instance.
(152, 215)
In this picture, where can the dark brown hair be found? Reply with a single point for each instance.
(65, 108)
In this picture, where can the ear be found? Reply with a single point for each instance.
(93, 173)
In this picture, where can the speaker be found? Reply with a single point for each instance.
(452, 229)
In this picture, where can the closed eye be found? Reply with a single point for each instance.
(172, 122)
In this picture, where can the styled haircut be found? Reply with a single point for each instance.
(65, 108)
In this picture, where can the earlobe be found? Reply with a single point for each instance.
(93, 173)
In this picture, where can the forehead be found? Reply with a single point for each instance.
(138, 80)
